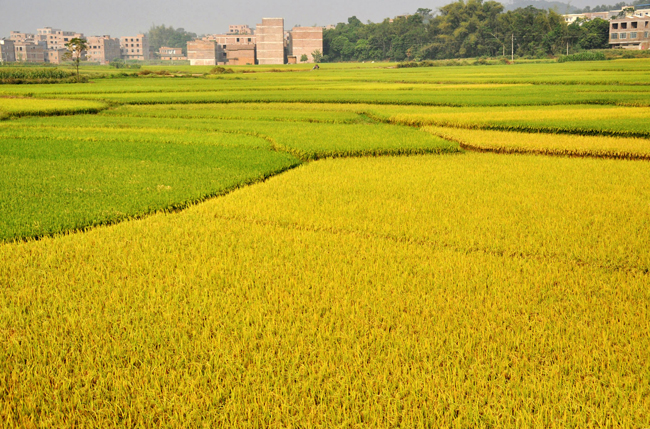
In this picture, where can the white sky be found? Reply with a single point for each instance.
(129, 17)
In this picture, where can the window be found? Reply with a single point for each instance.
(623, 36)
(238, 40)
(645, 35)
(633, 35)
(614, 36)
(249, 39)
(623, 25)
(615, 26)
(634, 24)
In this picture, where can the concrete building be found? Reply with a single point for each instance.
(55, 38)
(239, 29)
(52, 40)
(204, 52)
(103, 49)
(304, 41)
(630, 32)
(135, 47)
(240, 55)
(55, 56)
(29, 52)
(270, 41)
(17, 36)
(7, 51)
(171, 54)
(235, 49)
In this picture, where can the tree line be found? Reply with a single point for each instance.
(463, 29)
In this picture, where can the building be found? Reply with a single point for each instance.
(235, 49)
(270, 41)
(135, 47)
(572, 17)
(17, 36)
(630, 32)
(240, 55)
(29, 52)
(54, 38)
(55, 56)
(204, 52)
(103, 49)
(7, 51)
(171, 54)
(239, 29)
(304, 41)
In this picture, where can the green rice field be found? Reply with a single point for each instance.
(359, 246)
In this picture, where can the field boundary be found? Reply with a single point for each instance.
(565, 153)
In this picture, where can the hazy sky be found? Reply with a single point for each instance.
(129, 17)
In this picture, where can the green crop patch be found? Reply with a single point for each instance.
(59, 184)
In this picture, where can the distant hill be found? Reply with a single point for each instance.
(541, 4)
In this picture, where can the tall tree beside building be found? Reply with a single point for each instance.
(76, 47)
(161, 35)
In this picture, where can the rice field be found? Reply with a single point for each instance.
(362, 247)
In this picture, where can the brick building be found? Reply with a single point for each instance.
(55, 38)
(29, 52)
(171, 54)
(135, 47)
(270, 41)
(239, 29)
(7, 51)
(103, 49)
(630, 32)
(304, 41)
(235, 49)
(17, 36)
(204, 52)
(55, 56)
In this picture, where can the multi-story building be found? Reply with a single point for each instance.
(103, 49)
(235, 49)
(304, 41)
(630, 32)
(29, 52)
(7, 51)
(51, 40)
(55, 38)
(270, 41)
(204, 52)
(55, 56)
(171, 54)
(239, 29)
(17, 36)
(135, 48)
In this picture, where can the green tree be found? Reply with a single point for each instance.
(76, 48)
(317, 56)
(304, 58)
(161, 35)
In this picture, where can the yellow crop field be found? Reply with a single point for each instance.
(358, 246)
(480, 290)
(547, 144)
(16, 106)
